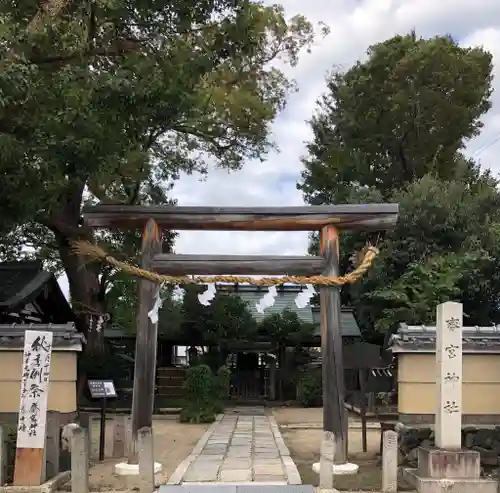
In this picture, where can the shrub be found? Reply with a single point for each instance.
(222, 383)
(309, 389)
(201, 398)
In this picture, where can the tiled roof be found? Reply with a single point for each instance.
(19, 277)
(284, 301)
(421, 338)
(348, 322)
(26, 281)
(65, 335)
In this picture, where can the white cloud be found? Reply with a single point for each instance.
(354, 26)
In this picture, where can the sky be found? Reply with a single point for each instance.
(354, 25)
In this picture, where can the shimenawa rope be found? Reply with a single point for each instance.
(96, 253)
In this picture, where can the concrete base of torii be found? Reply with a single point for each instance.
(125, 469)
(450, 471)
(348, 468)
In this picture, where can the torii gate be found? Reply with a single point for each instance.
(328, 220)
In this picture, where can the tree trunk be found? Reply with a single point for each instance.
(87, 294)
(87, 297)
(86, 291)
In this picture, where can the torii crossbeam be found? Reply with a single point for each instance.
(327, 219)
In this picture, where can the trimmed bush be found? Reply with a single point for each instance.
(309, 388)
(206, 394)
(222, 383)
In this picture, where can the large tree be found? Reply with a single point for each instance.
(404, 112)
(111, 101)
(446, 246)
(393, 128)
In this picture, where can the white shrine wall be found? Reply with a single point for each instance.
(62, 386)
(417, 389)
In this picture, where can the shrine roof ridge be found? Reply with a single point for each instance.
(65, 338)
(422, 338)
(470, 331)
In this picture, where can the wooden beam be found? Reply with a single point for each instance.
(145, 346)
(237, 264)
(361, 217)
(334, 443)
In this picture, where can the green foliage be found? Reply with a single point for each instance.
(401, 114)
(206, 393)
(119, 101)
(199, 398)
(285, 328)
(222, 386)
(392, 129)
(309, 388)
(226, 319)
(413, 297)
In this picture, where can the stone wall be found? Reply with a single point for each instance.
(486, 440)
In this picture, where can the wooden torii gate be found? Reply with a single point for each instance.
(328, 220)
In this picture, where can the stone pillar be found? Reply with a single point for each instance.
(449, 467)
(53, 444)
(146, 460)
(79, 461)
(449, 376)
(390, 462)
(119, 428)
(87, 421)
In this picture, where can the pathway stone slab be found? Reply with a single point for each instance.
(236, 475)
(244, 446)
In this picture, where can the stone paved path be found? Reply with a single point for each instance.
(244, 446)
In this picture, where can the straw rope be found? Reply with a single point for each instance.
(96, 253)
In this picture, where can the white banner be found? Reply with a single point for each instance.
(35, 377)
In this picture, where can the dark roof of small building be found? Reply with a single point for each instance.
(65, 337)
(23, 282)
(422, 339)
(348, 323)
(286, 301)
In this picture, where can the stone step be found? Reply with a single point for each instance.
(236, 488)
(171, 372)
(463, 485)
(170, 391)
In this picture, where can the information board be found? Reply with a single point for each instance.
(99, 389)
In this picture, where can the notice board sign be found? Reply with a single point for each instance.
(100, 389)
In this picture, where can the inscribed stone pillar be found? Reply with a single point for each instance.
(390, 462)
(79, 461)
(449, 375)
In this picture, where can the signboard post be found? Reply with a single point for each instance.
(102, 389)
(35, 375)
